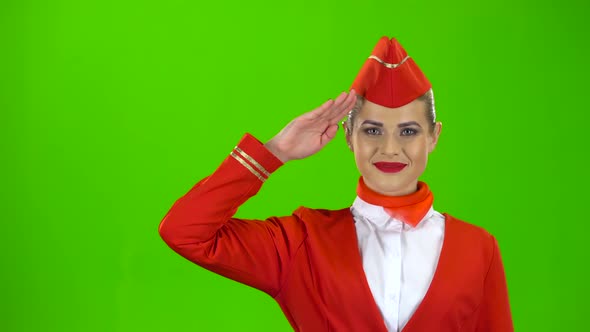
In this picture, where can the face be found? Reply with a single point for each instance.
(391, 146)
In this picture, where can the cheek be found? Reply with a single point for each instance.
(364, 149)
(418, 151)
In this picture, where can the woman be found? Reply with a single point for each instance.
(389, 262)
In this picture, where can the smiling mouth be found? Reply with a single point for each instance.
(390, 167)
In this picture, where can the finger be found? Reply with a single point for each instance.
(331, 108)
(350, 101)
(341, 98)
(329, 134)
(320, 110)
(335, 108)
(348, 104)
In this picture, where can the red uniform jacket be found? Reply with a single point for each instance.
(310, 263)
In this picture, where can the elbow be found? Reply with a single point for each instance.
(182, 234)
(173, 227)
(168, 233)
(182, 241)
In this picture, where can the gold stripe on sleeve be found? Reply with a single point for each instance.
(252, 161)
(245, 164)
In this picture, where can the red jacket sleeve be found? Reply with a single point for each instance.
(200, 225)
(494, 311)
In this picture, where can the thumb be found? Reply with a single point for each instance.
(331, 131)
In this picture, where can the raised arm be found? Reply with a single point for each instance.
(200, 225)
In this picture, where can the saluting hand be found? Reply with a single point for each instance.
(310, 132)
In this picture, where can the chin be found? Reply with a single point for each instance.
(385, 186)
(390, 183)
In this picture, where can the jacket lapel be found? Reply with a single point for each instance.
(345, 282)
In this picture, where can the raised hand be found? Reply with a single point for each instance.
(310, 132)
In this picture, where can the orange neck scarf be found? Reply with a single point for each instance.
(408, 208)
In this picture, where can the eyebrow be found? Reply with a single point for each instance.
(371, 122)
(401, 125)
(407, 124)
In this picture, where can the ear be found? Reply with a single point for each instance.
(435, 136)
(348, 139)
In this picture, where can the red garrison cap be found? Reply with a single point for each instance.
(390, 77)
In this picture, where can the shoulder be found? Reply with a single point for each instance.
(470, 236)
(465, 227)
(307, 214)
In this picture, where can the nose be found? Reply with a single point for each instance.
(390, 146)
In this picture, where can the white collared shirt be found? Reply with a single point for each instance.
(399, 260)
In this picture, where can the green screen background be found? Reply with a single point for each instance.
(112, 110)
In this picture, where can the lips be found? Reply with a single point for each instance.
(390, 167)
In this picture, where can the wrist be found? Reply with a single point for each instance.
(274, 149)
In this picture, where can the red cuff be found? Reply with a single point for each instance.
(252, 154)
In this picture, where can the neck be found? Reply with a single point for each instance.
(418, 192)
(410, 208)
(407, 190)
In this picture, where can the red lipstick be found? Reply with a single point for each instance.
(390, 167)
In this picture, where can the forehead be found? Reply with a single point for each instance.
(414, 111)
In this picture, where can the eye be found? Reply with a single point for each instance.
(372, 131)
(409, 132)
